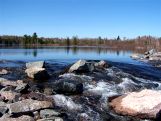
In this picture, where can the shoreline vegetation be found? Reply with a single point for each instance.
(139, 43)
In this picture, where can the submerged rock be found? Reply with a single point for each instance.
(68, 87)
(37, 73)
(28, 105)
(38, 64)
(144, 104)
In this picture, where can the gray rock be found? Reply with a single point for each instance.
(10, 95)
(21, 118)
(101, 64)
(36, 115)
(3, 108)
(3, 72)
(82, 66)
(28, 105)
(22, 88)
(150, 52)
(47, 113)
(37, 96)
(38, 64)
(48, 91)
(5, 82)
(51, 119)
(8, 88)
(37, 73)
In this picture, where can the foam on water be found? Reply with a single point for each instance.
(101, 88)
(127, 85)
(63, 101)
(73, 76)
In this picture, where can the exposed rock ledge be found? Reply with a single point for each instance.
(145, 104)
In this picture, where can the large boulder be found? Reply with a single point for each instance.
(144, 104)
(38, 64)
(81, 66)
(37, 73)
(28, 105)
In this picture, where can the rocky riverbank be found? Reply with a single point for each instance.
(83, 91)
(151, 56)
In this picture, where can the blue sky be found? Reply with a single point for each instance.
(84, 18)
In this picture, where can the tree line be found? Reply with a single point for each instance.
(124, 43)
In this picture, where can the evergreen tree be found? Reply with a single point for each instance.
(118, 38)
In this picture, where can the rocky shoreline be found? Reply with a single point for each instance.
(78, 93)
(152, 56)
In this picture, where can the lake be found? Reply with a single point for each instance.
(66, 54)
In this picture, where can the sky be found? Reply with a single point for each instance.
(82, 18)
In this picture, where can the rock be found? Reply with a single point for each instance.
(81, 66)
(136, 56)
(48, 91)
(150, 52)
(101, 64)
(144, 104)
(37, 96)
(21, 118)
(3, 72)
(47, 113)
(22, 88)
(51, 119)
(36, 115)
(37, 73)
(28, 105)
(10, 95)
(3, 108)
(8, 88)
(68, 87)
(38, 64)
(5, 82)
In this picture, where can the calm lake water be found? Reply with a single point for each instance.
(66, 54)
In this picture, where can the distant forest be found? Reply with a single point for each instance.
(143, 42)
